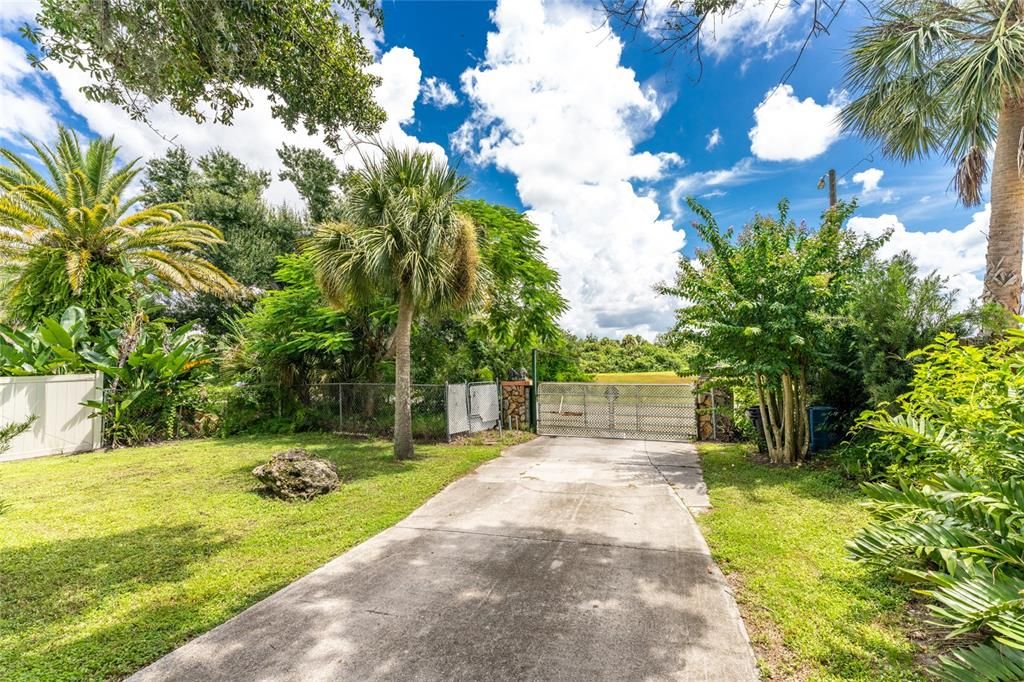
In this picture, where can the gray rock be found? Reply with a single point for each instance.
(297, 475)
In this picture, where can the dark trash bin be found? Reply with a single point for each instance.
(755, 417)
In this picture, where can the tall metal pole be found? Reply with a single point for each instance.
(832, 198)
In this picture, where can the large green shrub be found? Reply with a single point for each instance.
(964, 411)
(764, 307)
(959, 529)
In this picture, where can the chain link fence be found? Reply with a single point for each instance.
(369, 409)
(439, 411)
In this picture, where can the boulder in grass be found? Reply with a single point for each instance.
(297, 475)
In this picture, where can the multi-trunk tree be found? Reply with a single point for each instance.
(763, 308)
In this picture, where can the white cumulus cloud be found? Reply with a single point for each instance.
(790, 129)
(871, 191)
(749, 25)
(715, 180)
(254, 136)
(438, 93)
(553, 105)
(22, 111)
(957, 254)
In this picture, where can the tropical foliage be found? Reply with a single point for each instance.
(147, 366)
(206, 58)
(957, 531)
(292, 335)
(69, 236)
(893, 311)
(938, 77)
(765, 308)
(632, 353)
(52, 347)
(404, 238)
(964, 411)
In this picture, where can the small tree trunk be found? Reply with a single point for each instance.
(805, 427)
(788, 423)
(766, 427)
(403, 381)
(1006, 228)
(773, 428)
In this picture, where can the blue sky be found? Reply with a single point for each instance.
(598, 136)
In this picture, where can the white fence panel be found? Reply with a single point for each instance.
(472, 407)
(457, 408)
(63, 424)
(483, 407)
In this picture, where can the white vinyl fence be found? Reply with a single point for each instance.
(63, 424)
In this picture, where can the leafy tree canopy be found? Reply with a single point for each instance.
(219, 189)
(205, 57)
(893, 312)
(291, 333)
(765, 306)
(630, 354)
(316, 177)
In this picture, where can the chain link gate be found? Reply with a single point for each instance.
(641, 411)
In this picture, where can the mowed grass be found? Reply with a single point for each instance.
(110, 559)
(778, 533)
(641, 378)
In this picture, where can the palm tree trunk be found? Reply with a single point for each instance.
(1006, 229)
(403, 381)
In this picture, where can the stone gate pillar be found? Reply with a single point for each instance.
(515, 404)
(714, 411)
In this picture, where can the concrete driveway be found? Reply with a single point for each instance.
(563, 559)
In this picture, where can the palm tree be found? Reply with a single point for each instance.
(401, 236)
(948, 77)
(68, 235)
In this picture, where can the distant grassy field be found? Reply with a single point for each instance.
(642, 378)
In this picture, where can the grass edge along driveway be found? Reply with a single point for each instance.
(109, 560)
(778, 535)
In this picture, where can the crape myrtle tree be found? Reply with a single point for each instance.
(70, 235)
(210, 58)
(402, 236)
(940, 77)
(764, 307)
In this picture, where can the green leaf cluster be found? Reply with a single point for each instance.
(206, 57)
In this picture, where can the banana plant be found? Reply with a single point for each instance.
(52, 347)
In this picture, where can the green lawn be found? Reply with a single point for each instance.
(642, 378)
(778, 534)
(110, 559)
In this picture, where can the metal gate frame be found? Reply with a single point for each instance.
(665, 412)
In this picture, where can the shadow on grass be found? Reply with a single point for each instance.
(355, 460)
(46, 583)
(739, 466)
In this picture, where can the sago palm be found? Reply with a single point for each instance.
(947, 77)
(68, 234)
(402, 237)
